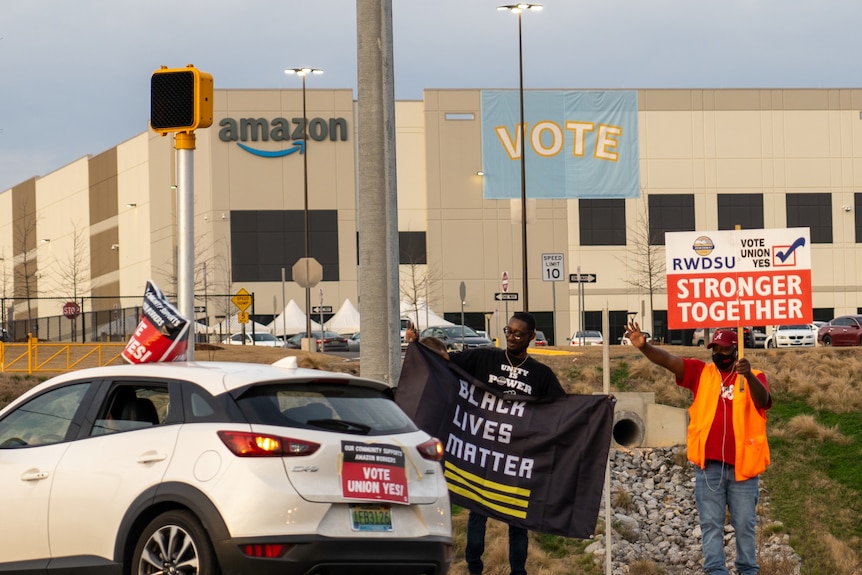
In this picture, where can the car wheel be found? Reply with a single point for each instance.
(827, 340)
(174, 542)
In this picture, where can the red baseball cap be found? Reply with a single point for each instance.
(724, 338)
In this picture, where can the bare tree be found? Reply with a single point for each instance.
(418, 287)
(73, 270)
(5, 285)
(210, 264)
(646, 263)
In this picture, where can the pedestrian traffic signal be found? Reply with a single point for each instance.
(181, 100)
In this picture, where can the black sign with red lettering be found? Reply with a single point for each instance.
(162, 334)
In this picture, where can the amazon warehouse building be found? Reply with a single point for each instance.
(607, 174)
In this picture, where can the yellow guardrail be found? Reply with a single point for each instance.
(40, 356)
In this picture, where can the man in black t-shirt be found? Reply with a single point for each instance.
(514, 372)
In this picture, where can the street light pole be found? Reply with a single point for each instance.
(302, 73)
(519, 10)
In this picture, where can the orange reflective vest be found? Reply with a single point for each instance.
(749, 425)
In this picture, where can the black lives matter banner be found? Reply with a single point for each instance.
(539, 465)
(161, 335)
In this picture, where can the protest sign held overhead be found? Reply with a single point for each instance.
(537, 465)
(738, 277)
(161, 335)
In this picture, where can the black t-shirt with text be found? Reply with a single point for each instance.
(519, 376)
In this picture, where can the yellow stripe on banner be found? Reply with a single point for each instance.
(485, 494)
(473, 478)
(471, 495)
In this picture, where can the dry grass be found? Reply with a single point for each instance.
(845, 560)
(806, 427)
(824, 378)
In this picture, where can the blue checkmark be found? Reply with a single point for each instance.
(786, 254)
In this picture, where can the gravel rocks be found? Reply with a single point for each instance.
(654, 518)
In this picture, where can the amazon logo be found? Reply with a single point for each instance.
(280, 130)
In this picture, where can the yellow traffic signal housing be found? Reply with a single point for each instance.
(181, 100)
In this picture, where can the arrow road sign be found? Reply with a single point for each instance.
(582, 278)
(505, 296)
(322, 309)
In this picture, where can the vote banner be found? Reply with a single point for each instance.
(161, 335)
(538, 465)
(738, 277)
(578, 144)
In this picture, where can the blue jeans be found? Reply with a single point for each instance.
(716, 489)
(518, 541)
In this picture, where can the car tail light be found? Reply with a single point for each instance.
(246, 444)
(266, 550)
(431, 449)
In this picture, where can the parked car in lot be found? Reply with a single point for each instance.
(217, 468)
(748, 338)
(626, 341)
(541, 340)
(760, 337)
(456, 339)
(801, 335)
(263, 339)
(842, 331)
(353, 342)
(589, 337)
(327, 340)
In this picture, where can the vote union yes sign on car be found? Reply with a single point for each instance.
(738, 277)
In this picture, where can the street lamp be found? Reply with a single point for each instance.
(519, 10)
(302, 73)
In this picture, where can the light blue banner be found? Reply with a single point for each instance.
(580, 144)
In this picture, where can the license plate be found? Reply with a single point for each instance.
(370, 518)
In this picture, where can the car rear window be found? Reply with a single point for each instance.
(325, 406)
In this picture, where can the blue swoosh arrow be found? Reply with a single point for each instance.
(786, 254)
(297, 145)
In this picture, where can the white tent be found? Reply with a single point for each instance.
(290, 321)
(345, 320)
(231, 325)
(426, 316)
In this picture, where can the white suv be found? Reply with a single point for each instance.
(202, 468)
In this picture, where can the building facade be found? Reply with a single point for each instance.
(96, 230)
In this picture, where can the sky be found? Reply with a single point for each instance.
(74, 75)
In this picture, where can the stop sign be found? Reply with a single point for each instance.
(71, 310)
(505, 281)
(307, 272)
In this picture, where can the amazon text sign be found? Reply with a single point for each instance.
(738, 277)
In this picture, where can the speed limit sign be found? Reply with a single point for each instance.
(552, 268)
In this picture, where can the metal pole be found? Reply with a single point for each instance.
(554, 310)
(606, 388)
(305, 210)
(185, 146)
(283, 313)
(523, 131)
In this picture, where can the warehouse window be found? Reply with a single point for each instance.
(857, 208)
(411, 248)
(669, 213)
(744, 210)
(812, 211)
(603, 222)
(265, 241)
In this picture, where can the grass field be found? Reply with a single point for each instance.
(815, 428)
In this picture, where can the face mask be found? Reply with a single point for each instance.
(723, 362)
